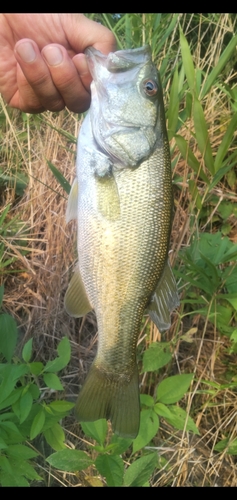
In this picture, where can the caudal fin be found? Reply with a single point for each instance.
(105, 395)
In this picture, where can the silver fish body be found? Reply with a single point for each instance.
(123, 201)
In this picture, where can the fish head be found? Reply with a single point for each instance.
(127, 112)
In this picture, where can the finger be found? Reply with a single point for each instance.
(42, 91)
(73, 85)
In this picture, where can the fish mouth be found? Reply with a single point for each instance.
(119, 61)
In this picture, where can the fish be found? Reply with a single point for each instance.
(122, 200)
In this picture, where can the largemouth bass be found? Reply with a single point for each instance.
(122, 198)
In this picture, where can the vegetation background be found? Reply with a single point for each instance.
(192, 440)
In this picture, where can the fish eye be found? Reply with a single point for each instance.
(150, 87)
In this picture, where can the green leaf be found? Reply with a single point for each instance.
(55, 437)
(120, 445)
(225, 143)
(36, 367)
(8, 336)
(149, 425)
(195, 194)
(140, 471)
(61, 406)
(13, 434)
(64, 351)
(162, 410)
(37, 424)
(21, 451)
(202, 136)
(230, 446)
(52, 381)
(70, 460)
(96, 430)
(173, 110)
(25, 404)
(146, 400)
(27, 351)
(224, 58)
(60, 177)
(10, 480)
(112, 468)
(178, 417)
(187, 61)
(173, 388)
(157, 355)
(10, 374)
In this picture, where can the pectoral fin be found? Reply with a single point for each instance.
(164, 300)
(107, 197)
(71, 212)
(76, 301)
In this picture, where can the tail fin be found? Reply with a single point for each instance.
(105, 395)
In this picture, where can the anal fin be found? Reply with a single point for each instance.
(165, 299)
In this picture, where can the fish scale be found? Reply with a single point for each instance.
(123, 203)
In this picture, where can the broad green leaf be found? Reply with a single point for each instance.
(69, 460)
(25, 404)
(146, 400)
(36, 367)
(21, 451)
(12, 480)
(8, 336)
(157, 355)
(112, 468)
(27, 351)
(230, 446)
(60, 177)
(64, 351)
(13, 434)
(149, 425)
(225, 143)
(202, 136)
(55, 437)
(162, 410)
(96, 430)
(37, 424)
(61, 406)
(10, 373)
(172, 389)
(120, 445)
(187, 61)
(224, 58)
(178, 417)
(12, 398)
(24, 468)
(52, 381)
(138, 473)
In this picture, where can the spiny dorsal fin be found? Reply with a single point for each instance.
(164, 300)
(71, 212)
(76, 301)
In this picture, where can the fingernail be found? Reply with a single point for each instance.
(26, 51)
(53, 55)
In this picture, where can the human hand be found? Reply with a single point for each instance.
(42, 65)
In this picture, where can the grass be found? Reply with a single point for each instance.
(200, 90)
